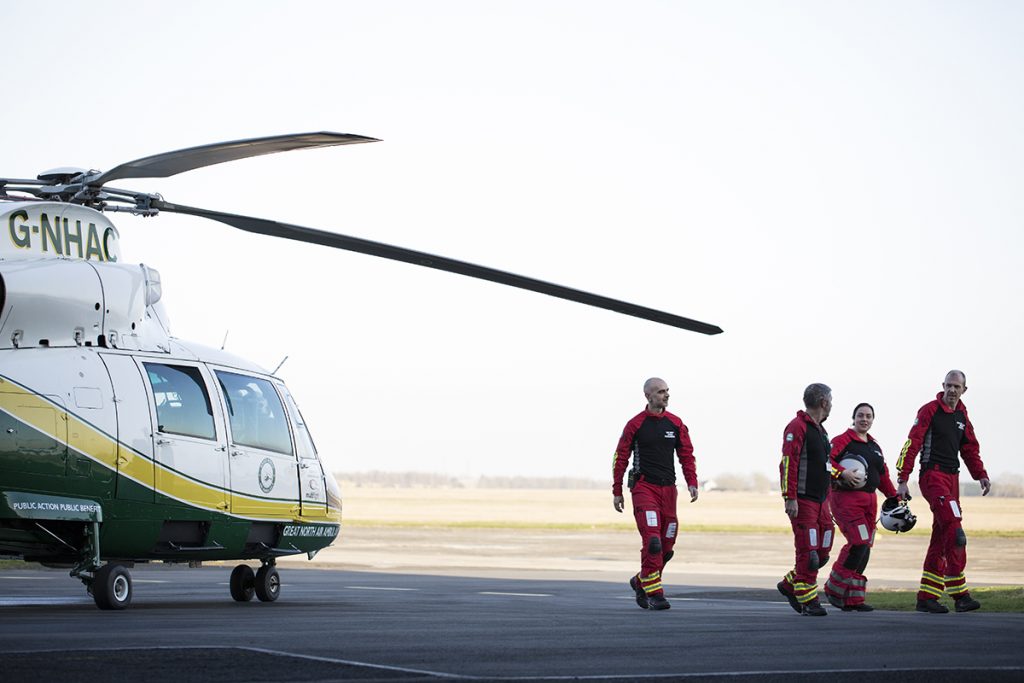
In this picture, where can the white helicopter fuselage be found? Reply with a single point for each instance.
(177, 451)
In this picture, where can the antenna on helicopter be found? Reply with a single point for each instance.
(279, 365)
(225, 342)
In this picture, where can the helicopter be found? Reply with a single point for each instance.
(122, 444)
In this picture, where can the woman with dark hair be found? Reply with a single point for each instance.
(856, 509)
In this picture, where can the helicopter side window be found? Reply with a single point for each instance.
(182, 404)
(303, 439)
(255, 412)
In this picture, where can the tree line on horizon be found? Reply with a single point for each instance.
(1004, 486)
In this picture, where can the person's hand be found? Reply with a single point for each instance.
(693, 493)
(853, 478)
(619, 502)
(792, 507)
(986, 485)
(903, 491)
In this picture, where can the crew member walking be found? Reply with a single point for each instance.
(942, 434)
(806, 477)
(651, 438)
(855, 511)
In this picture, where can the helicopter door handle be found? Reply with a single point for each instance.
(221, 449)
(304, 466)
(235, 454)
(11, 430)
(162, 442)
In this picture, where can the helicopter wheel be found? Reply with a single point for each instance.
(242, 583)
(111, 587)
(268, 584)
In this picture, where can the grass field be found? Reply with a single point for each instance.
(726, 538)
(992, 599)
(592, 509)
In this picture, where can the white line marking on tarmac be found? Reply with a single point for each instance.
(278, 653)
(744, 674)
(630, 676)
(517, 595)
(350, 662)
(35, 600)
(773, 603)
(225, 583)
(29, 578)
(378, 588)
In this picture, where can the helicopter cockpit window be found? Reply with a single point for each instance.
(255, 412)
(182, 404)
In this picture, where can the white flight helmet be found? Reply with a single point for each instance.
(896, 515)
(859, 466)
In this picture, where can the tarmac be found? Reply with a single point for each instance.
(753, 560)
(429, 604)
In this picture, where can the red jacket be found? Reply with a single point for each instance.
(805, 470)
(848, 443)
(922, 436)
(654, 437)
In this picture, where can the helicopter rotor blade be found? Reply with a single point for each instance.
(172, 163)
(329, 239)
(31, 187)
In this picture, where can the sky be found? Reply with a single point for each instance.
(836, 184)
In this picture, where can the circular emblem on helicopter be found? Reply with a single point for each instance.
(267, 475)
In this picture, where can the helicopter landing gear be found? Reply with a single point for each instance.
(242, 583)
(111, 587)
(264, 583)
(268, 583)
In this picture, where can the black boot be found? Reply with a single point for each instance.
(658, 601)
(641, 596)
(793, 602)
(932, 606)
(862, 607)
(965, 603)
(813, 609)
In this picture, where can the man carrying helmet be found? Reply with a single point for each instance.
(806, 476)
(651, 438)
(942, 434)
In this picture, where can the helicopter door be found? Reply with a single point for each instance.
(189, 441)
(311, 474)
(33, 440)
(134, 429)
(262, 466)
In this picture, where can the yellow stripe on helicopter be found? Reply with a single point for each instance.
(37, 411)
